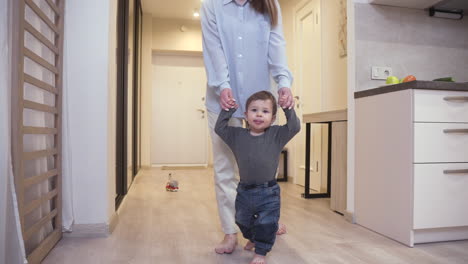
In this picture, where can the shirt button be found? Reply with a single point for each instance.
(240, 37)
(239, 56)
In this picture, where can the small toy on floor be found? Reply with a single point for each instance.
(172, 185)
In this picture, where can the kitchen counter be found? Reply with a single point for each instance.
(411, 161)
(424, 85)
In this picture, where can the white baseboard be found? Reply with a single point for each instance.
(440, 234)
(89, 230)
(349, 216)
(94, 230)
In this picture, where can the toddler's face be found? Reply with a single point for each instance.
(259, 115)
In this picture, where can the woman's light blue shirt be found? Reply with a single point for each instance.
(240, 50)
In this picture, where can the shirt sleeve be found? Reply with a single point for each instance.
(291, 128)
(277, 54)
(213, 54)
(222, 129)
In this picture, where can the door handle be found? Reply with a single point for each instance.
(459, 131)
(298, 105)
(456, 171)
(456, 98)
(201, 110)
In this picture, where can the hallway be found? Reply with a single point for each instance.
(156, 226)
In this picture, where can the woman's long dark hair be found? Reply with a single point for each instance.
(267, 7)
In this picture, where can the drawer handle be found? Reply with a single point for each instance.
(460, 130)
(456, 171)
(456, 98)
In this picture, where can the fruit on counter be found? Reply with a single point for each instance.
(444, 79)
(392, 80)
(409, 78)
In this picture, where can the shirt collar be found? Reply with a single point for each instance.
(228, 1)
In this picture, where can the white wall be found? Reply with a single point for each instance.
(90, 54)
(334, 67)
(146, 90)
(168, 36)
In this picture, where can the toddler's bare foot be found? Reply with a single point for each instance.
(249, 245)
(228, 244)
(281, 229)
(258, 259)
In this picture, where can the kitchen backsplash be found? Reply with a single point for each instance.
(410, 42)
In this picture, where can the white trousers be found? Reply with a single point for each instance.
(226, 175)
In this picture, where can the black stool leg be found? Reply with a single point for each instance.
(285, 167)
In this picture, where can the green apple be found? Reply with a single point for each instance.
(392, 80)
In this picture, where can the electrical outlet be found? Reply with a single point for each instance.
(380, 73)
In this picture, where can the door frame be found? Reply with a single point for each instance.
(123, 93)
(298, 163)
(183, 53)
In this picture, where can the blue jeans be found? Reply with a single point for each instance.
(257, 214)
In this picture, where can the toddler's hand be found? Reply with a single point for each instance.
(285, 98)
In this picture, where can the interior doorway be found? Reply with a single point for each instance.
(308, 56)
(179, 127)
(128, 124)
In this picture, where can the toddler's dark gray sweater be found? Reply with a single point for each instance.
(257, 156)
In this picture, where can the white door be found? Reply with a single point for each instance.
(308, 88)
(179, 128)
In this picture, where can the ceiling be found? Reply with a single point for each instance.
(181, 9)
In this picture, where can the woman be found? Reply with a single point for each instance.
(243, 47)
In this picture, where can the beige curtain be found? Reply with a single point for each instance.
(11, 242)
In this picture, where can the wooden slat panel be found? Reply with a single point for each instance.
(45, 246)
(40, 37)
(37, 226)
(39, 154)
(19, 77)
(58, 118)
(43, 16)
(40, 84)
(39, 130)
(37, 202)
(54, 7)
(39, 107)
(33, 56)
(39, 178)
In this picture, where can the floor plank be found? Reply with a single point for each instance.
(156, 226)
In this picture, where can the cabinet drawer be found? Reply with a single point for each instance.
(440, 199)
(440, 106)
(440, 142)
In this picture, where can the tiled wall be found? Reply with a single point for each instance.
(410, 42)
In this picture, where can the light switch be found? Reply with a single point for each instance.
(380, 73)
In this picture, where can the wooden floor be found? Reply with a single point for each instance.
(156, 226)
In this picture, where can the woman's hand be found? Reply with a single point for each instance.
(285, 98)
(226, 99)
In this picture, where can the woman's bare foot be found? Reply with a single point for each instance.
(249, 245)
(258, 259)
(228, 245)
(281, 229)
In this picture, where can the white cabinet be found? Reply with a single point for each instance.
(412, 165)
(419, 4)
